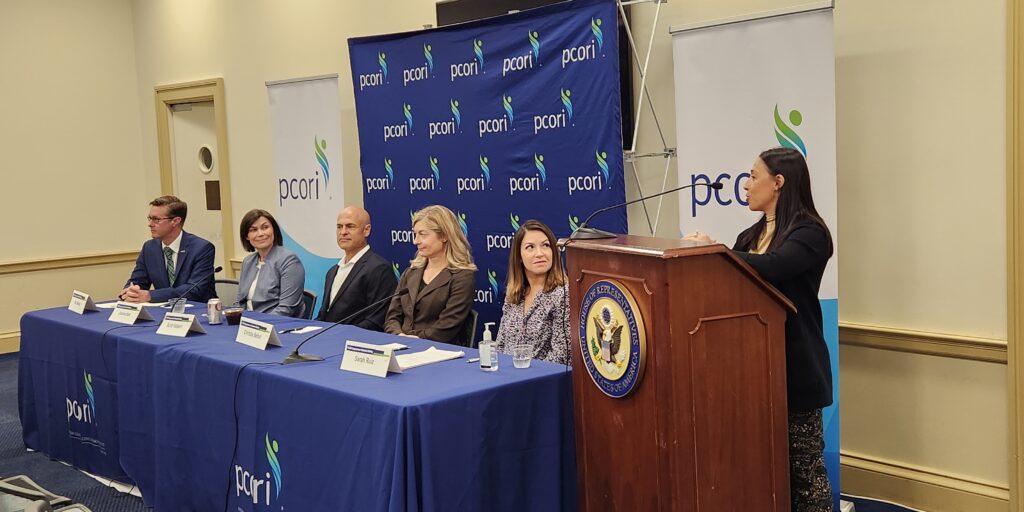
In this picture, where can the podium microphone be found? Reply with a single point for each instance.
(585, 232)
(296, 357)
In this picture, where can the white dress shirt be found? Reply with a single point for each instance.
(344, 269)
(252, 287)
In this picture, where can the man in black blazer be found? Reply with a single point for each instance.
(173, 262)
(360, 278)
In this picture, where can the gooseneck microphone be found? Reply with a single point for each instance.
(584, 232)
(296, 357)
(175, 300)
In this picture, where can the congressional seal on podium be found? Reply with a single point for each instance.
(612, 338)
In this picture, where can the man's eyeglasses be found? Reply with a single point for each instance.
(156, 220)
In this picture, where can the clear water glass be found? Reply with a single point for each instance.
(521, 355)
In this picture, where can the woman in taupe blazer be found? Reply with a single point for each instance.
(440, 281)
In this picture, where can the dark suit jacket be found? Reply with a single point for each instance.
(438, 311)
(796, 267)
(194, 265)
(370, 280)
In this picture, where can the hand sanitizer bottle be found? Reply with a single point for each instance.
(488, 354)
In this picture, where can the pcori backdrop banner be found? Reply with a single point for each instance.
(502, 120)
(305, 119)
(745, 87)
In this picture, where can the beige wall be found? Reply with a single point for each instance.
(249, 43)
(921, 169)
(70, 156)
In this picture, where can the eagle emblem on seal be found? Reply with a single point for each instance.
(609, 336)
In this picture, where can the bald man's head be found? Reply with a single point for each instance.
(352, 230)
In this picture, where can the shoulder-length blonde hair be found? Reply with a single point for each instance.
(517, 285)
(442, 221)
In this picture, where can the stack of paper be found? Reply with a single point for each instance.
(428, 356)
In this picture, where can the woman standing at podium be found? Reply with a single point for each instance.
(536, 309)
(440, 281)
(790, 246)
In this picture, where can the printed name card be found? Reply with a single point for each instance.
(128, 313)
(256, 334)
(179, 324)
(81, 302)
(369, 359)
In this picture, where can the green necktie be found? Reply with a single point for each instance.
(168, 253)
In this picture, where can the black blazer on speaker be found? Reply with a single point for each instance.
(371, 279)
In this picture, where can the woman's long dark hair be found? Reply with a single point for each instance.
(795, 202)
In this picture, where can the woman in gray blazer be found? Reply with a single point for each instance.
(440, 281)
(272, 277)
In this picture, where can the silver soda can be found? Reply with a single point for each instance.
(213, 311)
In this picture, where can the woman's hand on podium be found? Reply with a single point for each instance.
(699, 237)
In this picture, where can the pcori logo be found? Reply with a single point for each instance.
(402, 235)
(530, 183)
(478, 52)
(383, 182)
(84, 412)
(498, 241)
(558, 120)
(319, 148)
(461, 217)
(574, 223)
(488, 295)
(472, 67)
(395, 269)
(586, 51)
(786, 135)
(501, 123)
(591, 182)
(432, 182)
(456, 113)
(475, 183)
(378, 78)
(307, 188)
(248, 484)
(449, 127)
(524, 61)
(399, 130)
(418, 73)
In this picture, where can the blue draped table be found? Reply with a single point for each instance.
(204, 423)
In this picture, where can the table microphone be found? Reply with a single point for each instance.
(296, 357)
(175, 300)
(585, 232)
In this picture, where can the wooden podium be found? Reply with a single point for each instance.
(705, 427)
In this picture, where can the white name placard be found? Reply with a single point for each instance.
(81, 302)
(179, 324)
(376, 360)
(128, 313)
(257, 334)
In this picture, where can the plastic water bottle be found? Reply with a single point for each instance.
(488, 354)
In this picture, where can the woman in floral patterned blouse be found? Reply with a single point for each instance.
(536, 310)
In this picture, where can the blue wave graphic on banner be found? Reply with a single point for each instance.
(316, 267)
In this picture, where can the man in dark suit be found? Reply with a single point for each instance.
(360, 278)
(173, 261)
